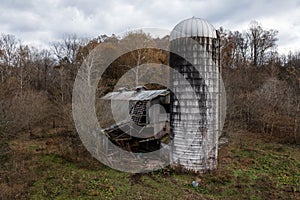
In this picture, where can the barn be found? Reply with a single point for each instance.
(145, 124)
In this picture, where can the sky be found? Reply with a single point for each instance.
(39, 22)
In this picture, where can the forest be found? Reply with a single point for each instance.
(38, 136)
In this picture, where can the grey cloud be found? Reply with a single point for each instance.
(50, 19)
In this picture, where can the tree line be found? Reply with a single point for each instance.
(262, 86)
(255, 46)
(36, 84)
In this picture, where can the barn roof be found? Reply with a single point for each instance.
(139, 95)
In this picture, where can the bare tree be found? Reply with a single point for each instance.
(241, 44)
(8, 51)
(139, 45)
(227, 47)
(260, 41)
(45, 62)
(24, 58)
(66, 53)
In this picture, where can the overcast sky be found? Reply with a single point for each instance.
(39, 22)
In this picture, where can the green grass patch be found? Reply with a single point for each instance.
(252, 169)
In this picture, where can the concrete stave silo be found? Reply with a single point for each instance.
(195, 113)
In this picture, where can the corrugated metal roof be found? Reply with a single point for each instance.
(193, 27)
(135, 95)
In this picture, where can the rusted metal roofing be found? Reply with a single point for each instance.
(193, 27)
(140, 95)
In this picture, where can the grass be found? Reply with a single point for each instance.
(249, 168)
(61, 179)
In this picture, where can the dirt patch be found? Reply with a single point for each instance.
(135, 179)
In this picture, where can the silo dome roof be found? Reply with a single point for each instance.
(193, 27)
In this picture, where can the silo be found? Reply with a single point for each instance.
(195, 102)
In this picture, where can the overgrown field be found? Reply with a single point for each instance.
(250, 167)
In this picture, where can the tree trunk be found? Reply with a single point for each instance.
(137, 69)
(296, 124)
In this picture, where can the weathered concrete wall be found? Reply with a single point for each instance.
(194, 114)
